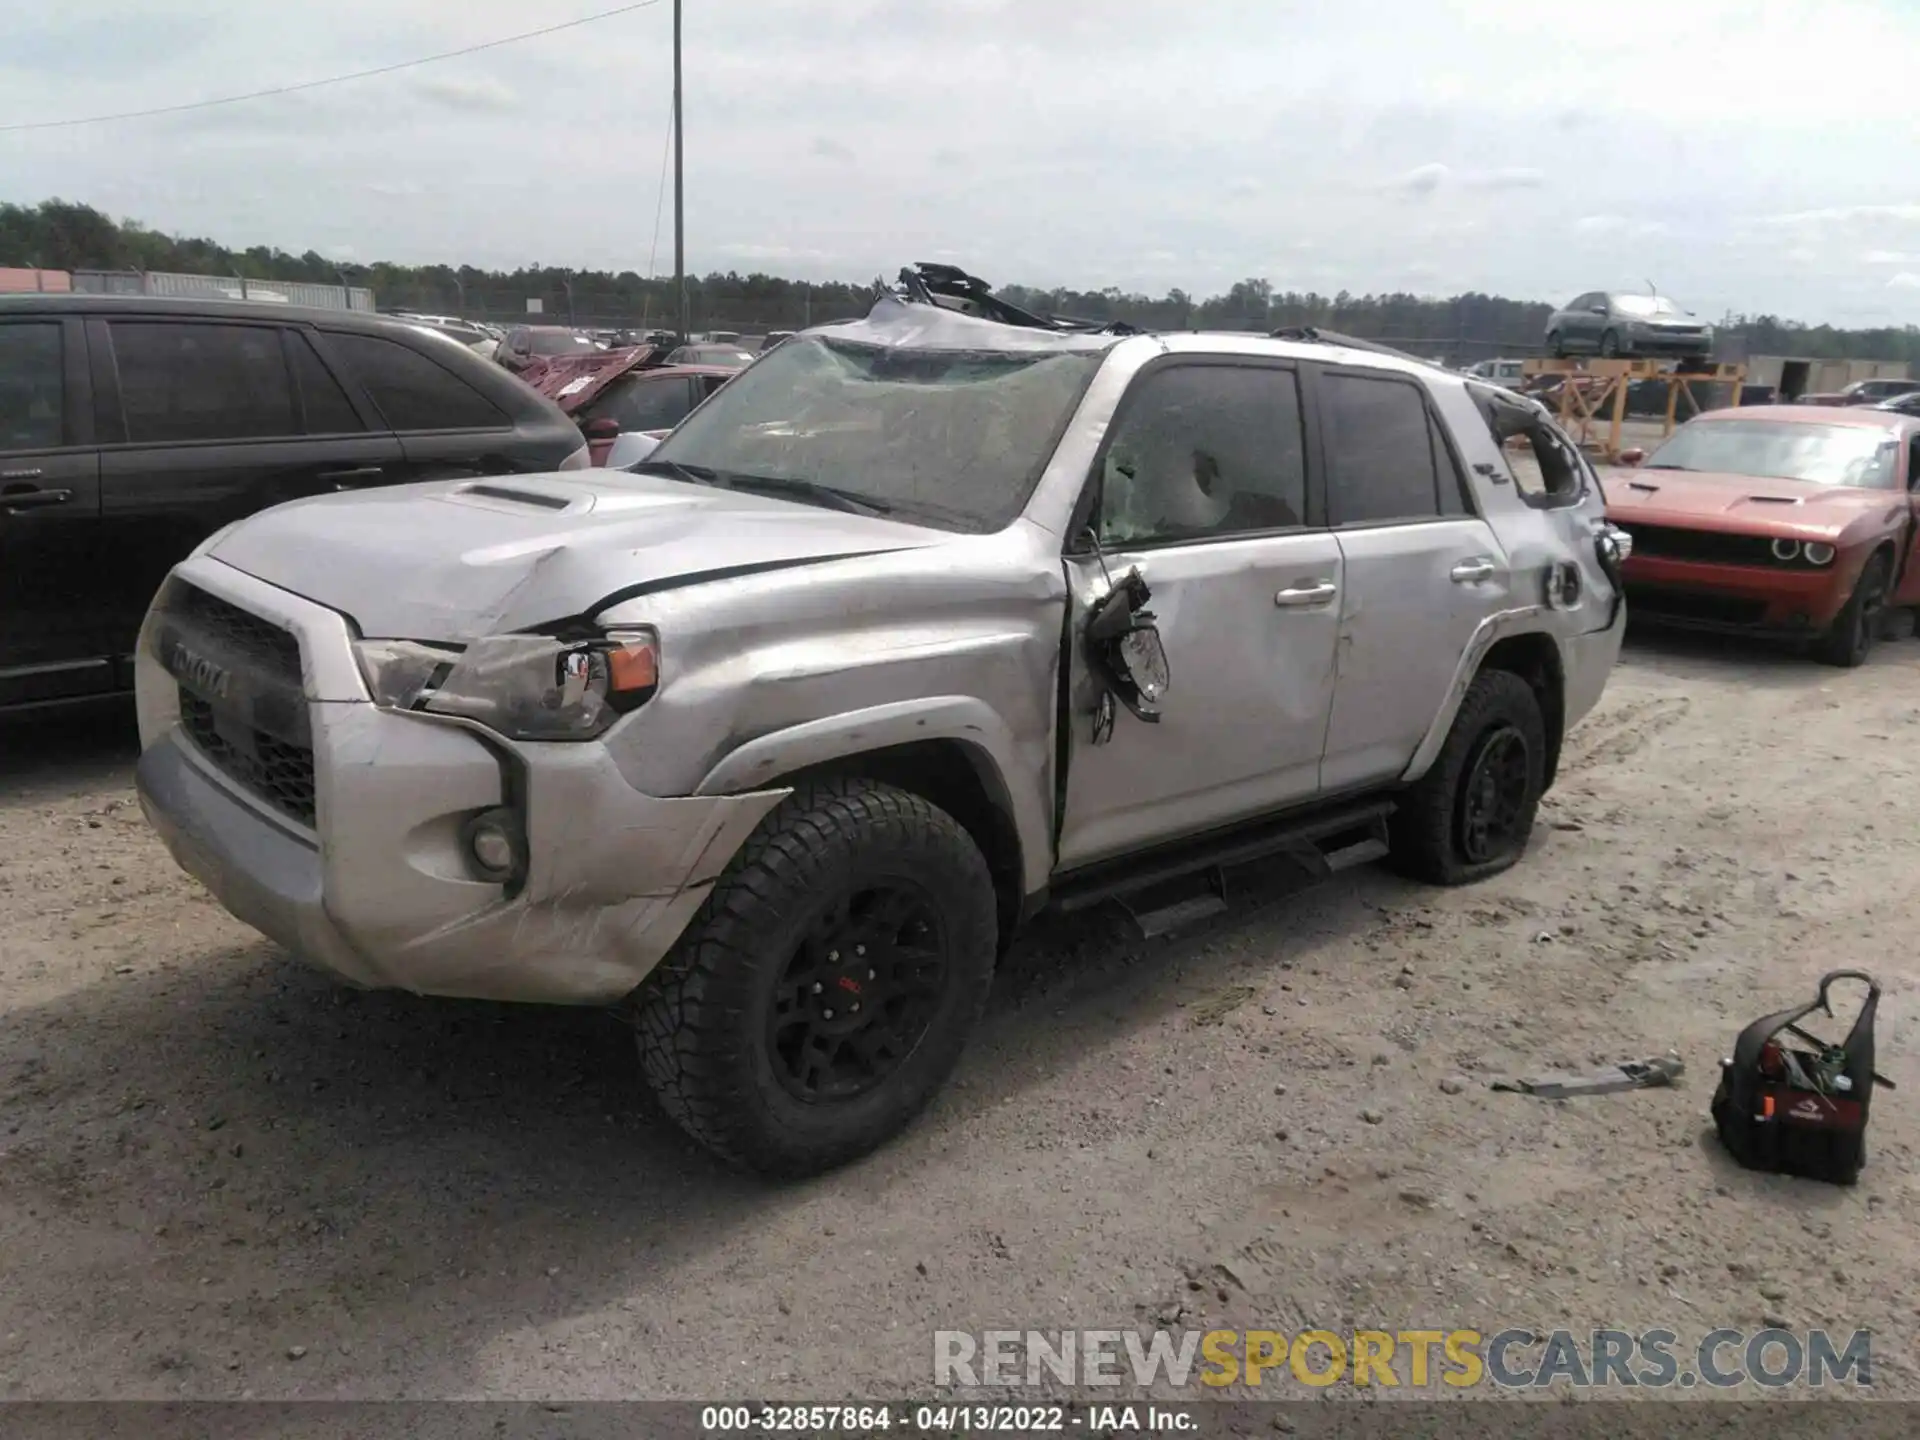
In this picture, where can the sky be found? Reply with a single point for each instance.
(1746, 156)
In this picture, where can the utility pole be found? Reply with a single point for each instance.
(679, 188)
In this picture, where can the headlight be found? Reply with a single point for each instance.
(1786, 551)
(1816, 553)
(525, 687)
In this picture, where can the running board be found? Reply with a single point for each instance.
(1158, 889)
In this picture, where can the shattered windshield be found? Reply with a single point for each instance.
(1862, 455)
(951, 438)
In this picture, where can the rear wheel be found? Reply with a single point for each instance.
(825, 990)
(1471, 814)
(1850, 639)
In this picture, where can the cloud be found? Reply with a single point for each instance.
(1888, 257)
(1846, 215)
(392, 189)
(1905, 280)
(828, 148)
(1421, 181)
(1513, 178)
(475, 94)
(1801, 255)
(1621, 226)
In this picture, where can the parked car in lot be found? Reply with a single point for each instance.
(730, 357)
(524, 344)
(1865, 392)
(1613, 325)
(643, 401)
(773, 338)
(131, 429)
(1907, 404)
(925, 622)
(1507, 374)
(1792, 521)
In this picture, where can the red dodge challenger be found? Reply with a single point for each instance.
(1789, 521)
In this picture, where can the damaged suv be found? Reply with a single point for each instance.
(927, 621)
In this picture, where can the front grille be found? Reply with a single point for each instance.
(235, 630)
(1672, 542)
(278, 771)
(1658, 602)
(242, 702)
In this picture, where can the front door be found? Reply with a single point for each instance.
(1421, 571)
(50, 614)
(1908, 592)
(1203, 487)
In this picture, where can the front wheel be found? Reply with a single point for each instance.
(1556, 346)
(826, 988)
(1610, 345)
(1849, 640)
(1471, 814)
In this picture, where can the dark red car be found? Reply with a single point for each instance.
(1782, 520)
(614, 392)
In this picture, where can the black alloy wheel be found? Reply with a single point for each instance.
(859, 994)
(1493, 799)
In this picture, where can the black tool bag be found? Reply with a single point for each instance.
(1801, 1109)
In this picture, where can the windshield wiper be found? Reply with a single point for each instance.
(827, 495)
(692, 474)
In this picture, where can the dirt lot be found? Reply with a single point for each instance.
(220, 1175)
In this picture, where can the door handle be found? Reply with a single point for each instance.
(347, 479)
(1472, 572)
(13, 502)
(1303, 595)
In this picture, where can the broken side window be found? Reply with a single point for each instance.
(1546, 467)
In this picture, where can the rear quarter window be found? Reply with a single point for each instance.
(411, 391)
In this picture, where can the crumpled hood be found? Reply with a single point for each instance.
(1746, 503)
(455, 560)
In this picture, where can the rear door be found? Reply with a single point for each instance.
(51, 611)
(447, 429)
(202, 423)
(1421, 570)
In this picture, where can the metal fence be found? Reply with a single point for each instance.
(223, 287)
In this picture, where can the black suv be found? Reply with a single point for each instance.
(132, 428)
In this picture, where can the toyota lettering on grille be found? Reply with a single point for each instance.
(197, 671)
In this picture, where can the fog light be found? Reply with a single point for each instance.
(493, 844)
(1816, 553)
(1786, 551)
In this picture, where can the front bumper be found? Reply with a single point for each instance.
(1648, 342)
(1737, 598)
(378, 890)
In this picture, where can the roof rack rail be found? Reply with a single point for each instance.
(1313, 335)
(952, 288)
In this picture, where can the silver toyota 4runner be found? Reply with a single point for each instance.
(922, 623)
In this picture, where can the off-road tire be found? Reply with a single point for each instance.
(701, 1019)
(1849, 640)
(1426, 829)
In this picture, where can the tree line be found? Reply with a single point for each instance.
(59, 235)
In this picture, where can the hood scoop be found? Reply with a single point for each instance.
(514, 495)
(1643, 487)
(1775, 500)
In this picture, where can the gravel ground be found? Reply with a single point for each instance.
(221, 1176)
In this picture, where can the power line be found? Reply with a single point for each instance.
(660, 199)
(331, 79)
